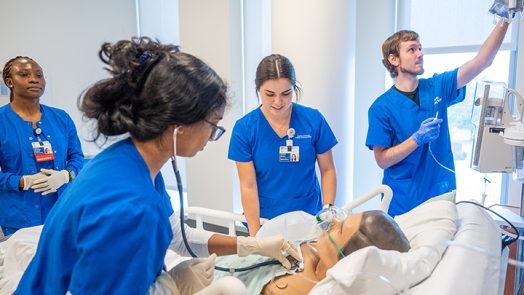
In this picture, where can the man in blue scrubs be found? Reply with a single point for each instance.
(408, 124)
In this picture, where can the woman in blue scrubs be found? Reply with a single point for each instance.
(109, 232)
(276, 147)
(39, 149)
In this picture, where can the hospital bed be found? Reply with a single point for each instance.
(455, 250)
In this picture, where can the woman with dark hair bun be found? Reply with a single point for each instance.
(109, 233)
(40, 152)
(277, 146)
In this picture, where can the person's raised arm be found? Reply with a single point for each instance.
(328, 177)
(249, 193)
(484, 57)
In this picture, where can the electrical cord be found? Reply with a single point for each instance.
(507, 239)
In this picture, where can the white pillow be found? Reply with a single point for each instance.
(19, 250)
(374, 271)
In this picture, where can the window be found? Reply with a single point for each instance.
(470, 183)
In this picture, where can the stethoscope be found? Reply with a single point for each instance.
(182, 229)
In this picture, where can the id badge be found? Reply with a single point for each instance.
(43, 151)
(289, 154)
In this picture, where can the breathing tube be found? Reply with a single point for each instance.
(182, 227)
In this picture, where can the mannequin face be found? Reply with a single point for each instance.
(341, 232)
(26, 79)
(276, 96)
(193, 138)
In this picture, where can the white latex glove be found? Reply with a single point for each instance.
(29, 179)
(51, 182)
(274, 246)
(193, 275)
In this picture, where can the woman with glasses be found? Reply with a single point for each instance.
(39, 149)
(109, 232)
(342, 237)
(276, 147)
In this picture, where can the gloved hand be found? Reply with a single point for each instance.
(29, 179)
(52, 181)
(428, 131)
(274, 246)
(194, 274)
(506, 9)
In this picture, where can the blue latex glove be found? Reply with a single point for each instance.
(502, 9)
(428, 131)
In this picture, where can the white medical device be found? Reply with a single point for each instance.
(495, 108)
(514, 137)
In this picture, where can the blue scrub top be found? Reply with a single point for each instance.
(107, 234)
(393, 118)
(283, 186)
(19, 208)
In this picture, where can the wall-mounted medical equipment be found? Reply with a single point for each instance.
(514, 137)
(495, 108)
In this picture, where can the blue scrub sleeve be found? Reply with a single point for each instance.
(75, 156)
(448, 82)
(118, 250)
(326, 139)
(240, 149)
(9, 181)
(379, 130)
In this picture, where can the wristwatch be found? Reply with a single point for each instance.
(327, 206)
(71, 174)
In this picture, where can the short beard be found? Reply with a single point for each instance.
(406, 71)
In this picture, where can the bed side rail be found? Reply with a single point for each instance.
(199, 213)
(378, 191)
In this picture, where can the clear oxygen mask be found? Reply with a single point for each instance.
(328, 215)
(301, 226)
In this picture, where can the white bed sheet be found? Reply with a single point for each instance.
(461, 270)
(471, 264)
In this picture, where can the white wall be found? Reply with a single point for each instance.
(158, 19)
(210, 30)
(319, 39)
(328, 42)
(64, 38)
(369, 84)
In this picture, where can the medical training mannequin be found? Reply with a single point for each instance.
(276, 147)
(39, 149)
(109, 232)
(408, 124)
(370, 228)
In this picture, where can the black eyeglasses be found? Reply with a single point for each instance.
(218, 131)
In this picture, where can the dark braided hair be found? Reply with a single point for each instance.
(153, 86)
(6, 72)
